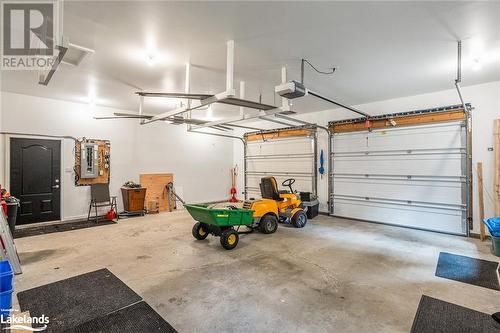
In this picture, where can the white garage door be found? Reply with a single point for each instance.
(408, 176)
(281, 157)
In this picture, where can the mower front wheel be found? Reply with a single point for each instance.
(268, 224)
(200, 231)
(299, 220)
(229, 239)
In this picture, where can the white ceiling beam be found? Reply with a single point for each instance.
(230, 66)
(194, 105)
(285, 102)
(230, 92)
(238, 118)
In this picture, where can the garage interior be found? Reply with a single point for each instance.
(250, 166)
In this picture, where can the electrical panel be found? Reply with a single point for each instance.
(89, 161)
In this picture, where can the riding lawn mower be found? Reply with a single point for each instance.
(262, 214)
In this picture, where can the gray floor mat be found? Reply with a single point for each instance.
(139, 317)
(73, 301)
(59, 227)
(434, 315)
(473, 271)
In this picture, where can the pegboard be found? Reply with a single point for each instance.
(104, 169)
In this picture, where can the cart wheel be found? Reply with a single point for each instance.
(268, 224)
(299, 220)
(229, 239)
(200, 231)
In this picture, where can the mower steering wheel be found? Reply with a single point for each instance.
(288, 183)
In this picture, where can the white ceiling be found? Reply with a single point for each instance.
(382, 49)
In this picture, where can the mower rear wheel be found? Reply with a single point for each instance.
(229, 239)
(268, 224)
(299, 220)
(200, 231)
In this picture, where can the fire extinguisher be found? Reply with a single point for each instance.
(233, 191)
(111, 215)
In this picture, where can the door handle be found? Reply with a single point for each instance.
(55, 186)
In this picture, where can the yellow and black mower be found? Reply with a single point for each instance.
(263, 214)
(283, 206)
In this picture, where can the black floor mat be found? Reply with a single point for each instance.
(49, 229)
(434, 315)
(74, 301)
(474, 271)
(139, 317)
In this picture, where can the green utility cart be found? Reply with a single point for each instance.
(220, 222)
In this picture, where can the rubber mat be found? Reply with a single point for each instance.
(139, 317)
(60, 227)
(434, 315)
(478, 272)
(71, 302)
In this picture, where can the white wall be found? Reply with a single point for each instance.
(200, 163)
(485, 98)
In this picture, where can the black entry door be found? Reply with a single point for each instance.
(35, 167)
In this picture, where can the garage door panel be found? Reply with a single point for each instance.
(422, 191)
(282, 165)
(283, 158)
(280, 147)
(436, 165)
(302, 184)
(408, 176)
(393, 139)
(428, 219)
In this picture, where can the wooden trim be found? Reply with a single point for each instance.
(278, 134)
(399, 121)
(496, 166)
(480, 190)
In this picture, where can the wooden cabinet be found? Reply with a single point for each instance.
(133, 199)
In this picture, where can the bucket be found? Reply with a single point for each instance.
(5, 303)
(495, 245)
(6, 276)
(6, 282)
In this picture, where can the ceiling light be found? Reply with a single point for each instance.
(150, 59)
(476, 64)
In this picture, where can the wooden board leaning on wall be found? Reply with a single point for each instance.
(104, 163)
(156, 184)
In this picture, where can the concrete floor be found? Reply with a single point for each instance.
(334, 275)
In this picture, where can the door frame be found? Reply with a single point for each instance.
(61, 176)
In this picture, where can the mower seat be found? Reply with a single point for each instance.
(269, 189)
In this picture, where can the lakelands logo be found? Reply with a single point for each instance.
(25, 323)
(28, 35)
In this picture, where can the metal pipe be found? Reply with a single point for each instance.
(216, 134)
(293, 119)
(230, 67)
(302, 71)
(245, 193)
(285, 102)
(246, 127)
(277, 121)
(339, 104)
